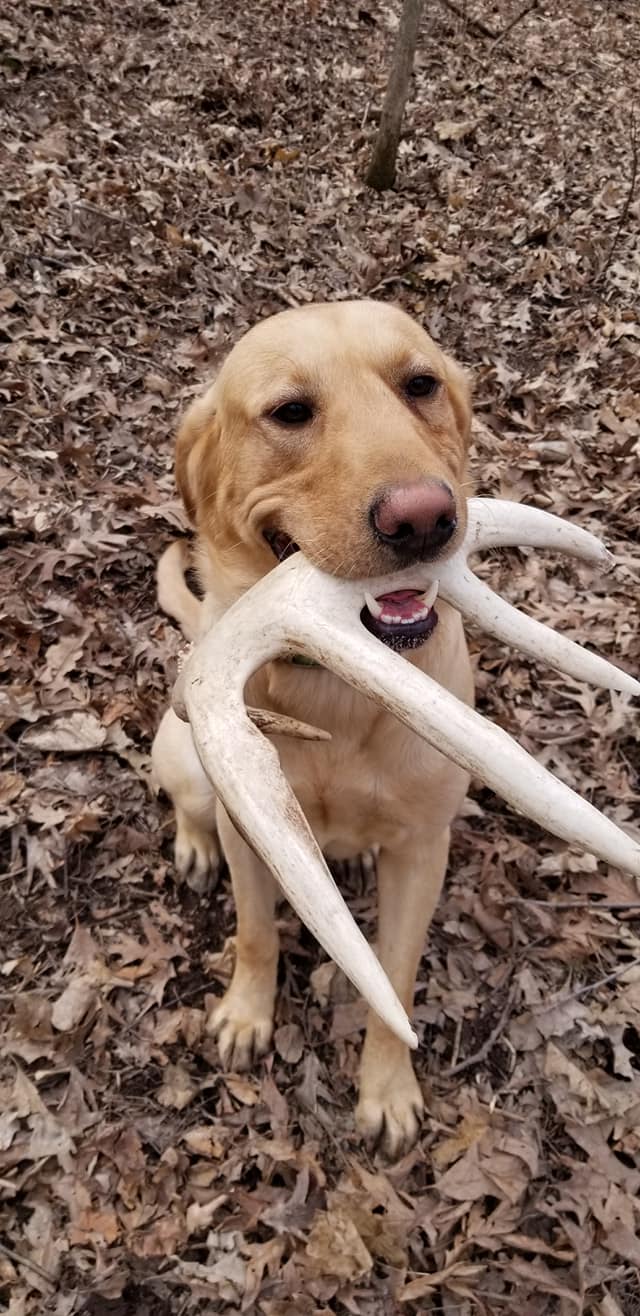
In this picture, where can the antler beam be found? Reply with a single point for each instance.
(304, 611)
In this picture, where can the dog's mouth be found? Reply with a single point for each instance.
(402, 619)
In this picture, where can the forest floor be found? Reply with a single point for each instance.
(173, 170)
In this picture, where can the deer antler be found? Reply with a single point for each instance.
(303, 611)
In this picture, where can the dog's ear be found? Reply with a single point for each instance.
(196, 446)
(459, 389)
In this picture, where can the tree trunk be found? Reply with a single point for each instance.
(382, 170)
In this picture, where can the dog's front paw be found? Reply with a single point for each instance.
(242, 1028)
(390, 1109)
(197, 855)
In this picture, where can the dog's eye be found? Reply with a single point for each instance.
(422, 386)
(292, 413)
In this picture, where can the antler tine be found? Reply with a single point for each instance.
(485, 750)
(495, 523)
(246, 773)
(276, 724)
(475, 600)
(273, 724)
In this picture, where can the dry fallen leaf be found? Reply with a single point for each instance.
(583, 1095)
(203, 1142)
(74, 1003)
(334, 1247)
(452, 130)
(71, 733)
(289, 1042)
(201, 1216)
(243, 1089)
(178, 1088)
(89, 1226)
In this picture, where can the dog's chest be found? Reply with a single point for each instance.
(376, 794)
(375, 782)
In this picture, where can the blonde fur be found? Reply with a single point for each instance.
(374, 784)
(174, 596)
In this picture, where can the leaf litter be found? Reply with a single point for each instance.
(171, 172)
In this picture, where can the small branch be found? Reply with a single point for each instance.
(470, 22)
(309, 15)
(106, 214)
(276, 724)
(611, 906)
(485, 1050)
(600, 982)
(528, 9)
(30, 1265)
(627, 204)
(456, 1043)
(590, 987)
(275, 291)
(397, 276)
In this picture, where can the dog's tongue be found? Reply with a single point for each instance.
(403, 602)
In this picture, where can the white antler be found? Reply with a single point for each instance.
(303, 611)
(494, 524)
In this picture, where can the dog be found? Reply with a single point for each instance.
(342, 430)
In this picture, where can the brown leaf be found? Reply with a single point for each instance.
(384, 1237)
(453, 130)
(322, 980)
(334, 1247)
(94, 1226)
(178, 1088)
(200, 1216)
(624, 1242)
(203, 1142)
(469, 1131)
(164, 1238)
(74, 1003)
(466, 1181)
(425, 1284)
(11, 786)
(586, 1095)
(289, 1042)
(243, 1089)
(544, 1280)
(49, 1138)
(70, 733)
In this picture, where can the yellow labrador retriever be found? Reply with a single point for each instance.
(341, 430)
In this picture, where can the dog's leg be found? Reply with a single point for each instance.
(243, 1021)
(390, 1104)
(178, 770)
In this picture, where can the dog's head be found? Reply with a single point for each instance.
(340, 429)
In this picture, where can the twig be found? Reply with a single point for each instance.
(395, 276)
(486, 1048)
(276, 292)
(609, 905)
(456, 1043)
(480, 27)
(528, 9)
(30, 1265)
(591, 986)
(309, 14)
(627, 204)
(106, 214)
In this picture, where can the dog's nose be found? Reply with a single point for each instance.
(416, 519)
